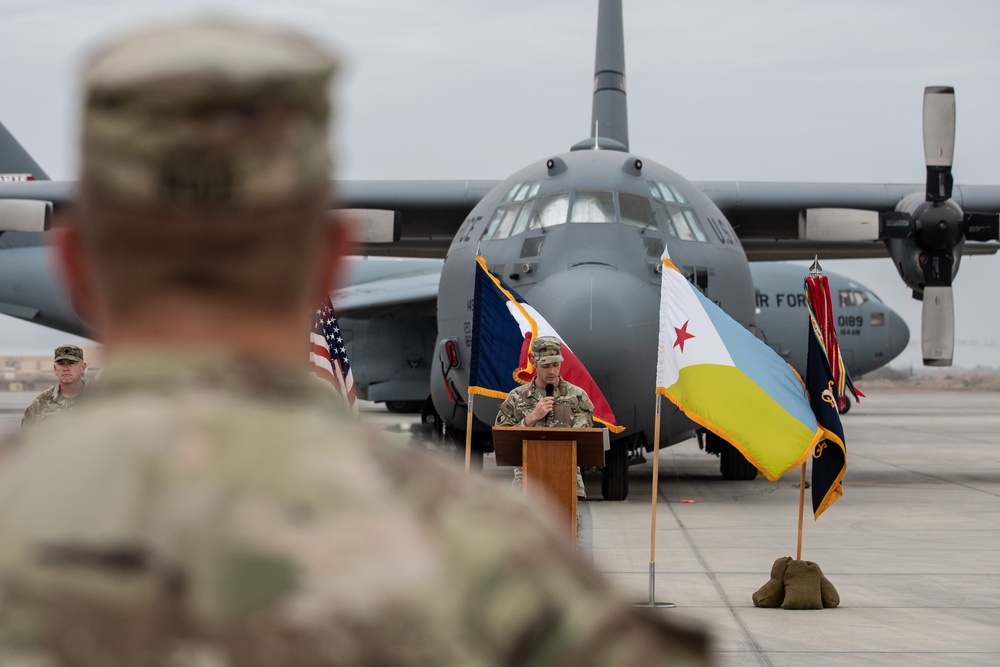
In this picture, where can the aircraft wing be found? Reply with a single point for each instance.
(428, 213)
(765, 216)
(374, 284)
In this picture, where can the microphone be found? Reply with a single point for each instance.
(549, 389)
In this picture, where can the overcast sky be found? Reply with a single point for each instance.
(772, 90)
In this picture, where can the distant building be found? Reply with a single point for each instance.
(34, 373)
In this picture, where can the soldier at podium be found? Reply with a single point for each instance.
(547, 401)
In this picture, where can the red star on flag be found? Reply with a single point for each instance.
(682, 335)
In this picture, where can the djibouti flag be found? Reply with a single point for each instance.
(727, 380)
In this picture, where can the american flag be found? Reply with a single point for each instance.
(328, 356)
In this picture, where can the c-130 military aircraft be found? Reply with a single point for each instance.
(579, 235)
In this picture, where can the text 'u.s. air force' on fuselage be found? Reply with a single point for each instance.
(580, 235)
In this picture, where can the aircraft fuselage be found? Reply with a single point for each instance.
(580, 237)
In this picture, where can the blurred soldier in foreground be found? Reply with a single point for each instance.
(209, 505)
(69, 367)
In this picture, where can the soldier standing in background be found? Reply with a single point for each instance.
(69, 368)
(208, 504)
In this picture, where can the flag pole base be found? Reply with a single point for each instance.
(652, 593)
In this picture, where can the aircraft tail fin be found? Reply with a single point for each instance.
(609, 119)
(15, 162)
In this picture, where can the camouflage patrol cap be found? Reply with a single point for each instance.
(546, 350)
(68, 353)
(203, 113)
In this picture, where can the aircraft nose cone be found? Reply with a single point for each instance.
(899, 334)
(595, 309)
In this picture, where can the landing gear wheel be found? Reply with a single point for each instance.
(614, 476)
(734, 466)
(404, 407)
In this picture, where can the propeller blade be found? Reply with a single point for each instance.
(895, 225)
(939, 140)
(937, 329)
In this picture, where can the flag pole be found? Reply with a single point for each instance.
(814, 270)
(802, 500)
(656, 483)
(468, 436)
(652, 529)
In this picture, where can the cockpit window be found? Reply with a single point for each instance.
(550, 210)
(661, 191)
(596, 206)
(678, 195)
(514, 217)
(696, 228)
(666, 211)
(676, 219)
(636, 210)
(852, 297)
(680, 224)
(521, 191)
(526, 191)
(502, 222)
(522, 219)
(666, 192)
(510, 193)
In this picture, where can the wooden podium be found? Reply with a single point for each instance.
(550, 457)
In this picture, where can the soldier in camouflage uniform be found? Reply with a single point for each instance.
(528, 405)
(69, 367)
(211, 504)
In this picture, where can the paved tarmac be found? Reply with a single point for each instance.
(913, 547)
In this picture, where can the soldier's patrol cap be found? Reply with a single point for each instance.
(206, 112)
(546, 350)
(68, 353)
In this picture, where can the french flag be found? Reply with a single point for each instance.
(503, 326)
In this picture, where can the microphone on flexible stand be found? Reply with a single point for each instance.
(549, 389)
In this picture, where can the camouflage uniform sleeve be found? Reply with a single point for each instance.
(33, 410)
(583, 417)
(512, 411)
